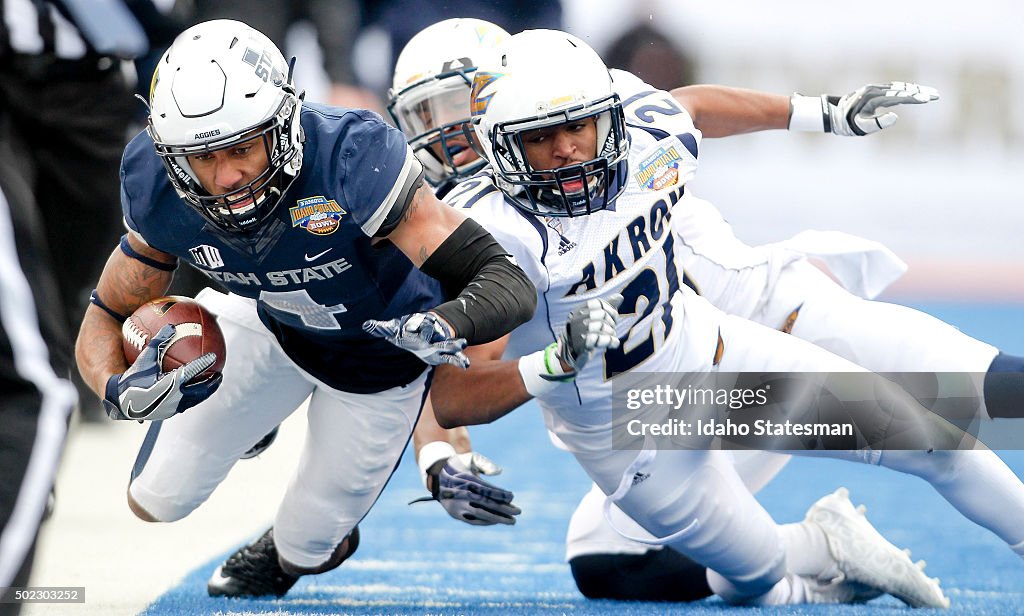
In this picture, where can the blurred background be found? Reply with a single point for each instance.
(940, 188)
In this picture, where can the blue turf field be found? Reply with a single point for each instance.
(416, 560)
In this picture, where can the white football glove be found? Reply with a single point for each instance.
(859, 113)
(589, 329)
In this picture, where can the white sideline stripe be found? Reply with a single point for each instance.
(507, 604)
(418, 591)
(31, 361)
(981, 594)
(390, 565)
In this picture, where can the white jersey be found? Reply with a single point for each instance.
(627, 249)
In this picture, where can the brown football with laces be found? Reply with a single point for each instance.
(196, 333)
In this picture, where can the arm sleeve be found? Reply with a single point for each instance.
(493, 295)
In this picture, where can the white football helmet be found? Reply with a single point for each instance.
(220, 83)
(429, 97)
(540, 79)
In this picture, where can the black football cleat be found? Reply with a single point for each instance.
(252, 571)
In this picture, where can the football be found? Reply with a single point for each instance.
(196, 333)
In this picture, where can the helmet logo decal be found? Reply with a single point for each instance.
(561, 100)
(263, 64)
(659, 170)
(152, 82)
(207, 134)
(318, 215)
(477, 102)
(452, 65)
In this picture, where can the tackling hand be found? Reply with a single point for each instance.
(456, 484)
(144, 393)
(424, 335)
(589, 329)
(861, 112)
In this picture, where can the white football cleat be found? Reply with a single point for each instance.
(864, 556)
(835, 590)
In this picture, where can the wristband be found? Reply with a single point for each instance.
(94, 299)
(127, 249)
(430, 454)
(533, 368)
(808, 114)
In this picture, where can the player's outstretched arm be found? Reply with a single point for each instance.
(720, 111)
(125, 284)
(492, 294)
(492, 387)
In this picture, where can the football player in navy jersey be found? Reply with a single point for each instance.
(317, 218)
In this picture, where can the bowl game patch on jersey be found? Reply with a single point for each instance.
(660, 169)
(318, 215)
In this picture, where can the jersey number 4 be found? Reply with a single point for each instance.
(300, 304)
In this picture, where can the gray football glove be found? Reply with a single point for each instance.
(457, 485)
(864, 111)
(423, 335)
(144, 393)
(589, 329)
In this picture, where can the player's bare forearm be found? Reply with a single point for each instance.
(124, 285)
(428, 430)
(485, 392)
(98, 349)
(721, 111)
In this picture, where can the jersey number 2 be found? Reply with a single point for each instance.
(647, 286)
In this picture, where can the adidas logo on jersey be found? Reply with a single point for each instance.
(564, 243)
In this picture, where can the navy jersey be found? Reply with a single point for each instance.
(311, 267)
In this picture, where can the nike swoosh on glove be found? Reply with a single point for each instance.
(144, 393)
